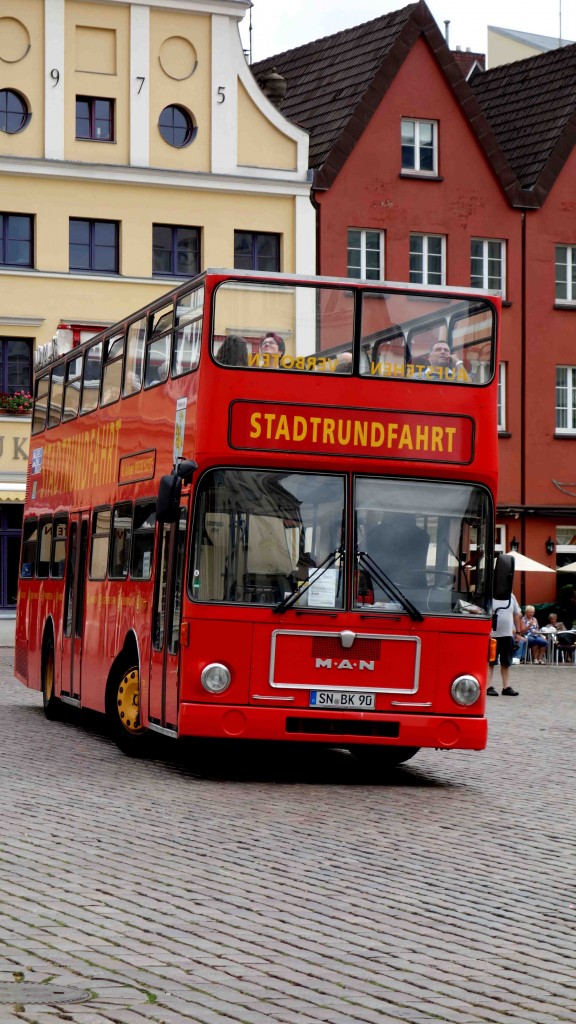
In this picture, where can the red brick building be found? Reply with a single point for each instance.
(420, 175)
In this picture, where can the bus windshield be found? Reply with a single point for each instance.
(265, 537)
(424, 338)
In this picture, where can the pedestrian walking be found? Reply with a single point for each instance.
(506, 622)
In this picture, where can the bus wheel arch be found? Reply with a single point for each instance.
(123, 701)
(51, 703)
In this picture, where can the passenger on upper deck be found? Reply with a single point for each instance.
(444, 365)
(271, 345)
(344, 364)
(233, 351)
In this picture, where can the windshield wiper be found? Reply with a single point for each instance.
(389, 586)
(319, 571)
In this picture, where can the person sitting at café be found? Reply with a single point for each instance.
(537, 642)
(565, 639)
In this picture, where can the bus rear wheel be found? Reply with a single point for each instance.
(382, 757)
(52, 706)
(123, 712)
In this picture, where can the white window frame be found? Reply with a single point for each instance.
(417, 122)
(570, 407)
(425, 268)
(499, 538)
(485, 285)
(567, 282)
(501, 396)
(363, 248)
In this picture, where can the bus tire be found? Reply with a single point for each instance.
(382, 757)
(52, 705)
(123, 712)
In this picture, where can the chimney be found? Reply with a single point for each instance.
(447, 32)
(273, 86)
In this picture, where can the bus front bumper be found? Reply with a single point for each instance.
(302, 725)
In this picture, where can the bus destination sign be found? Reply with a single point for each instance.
(380, 433)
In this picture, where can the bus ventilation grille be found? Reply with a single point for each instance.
(331, 647)
(342, 727)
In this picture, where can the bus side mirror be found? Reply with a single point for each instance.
(503, 577)
(168, 500)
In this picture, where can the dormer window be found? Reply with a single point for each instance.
(419, 146)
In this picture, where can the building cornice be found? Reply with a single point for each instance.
(274, 183)
(232, 8)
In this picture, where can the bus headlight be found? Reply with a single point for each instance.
(215, 678)
(465, 690)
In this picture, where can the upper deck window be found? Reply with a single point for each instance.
(311, 329)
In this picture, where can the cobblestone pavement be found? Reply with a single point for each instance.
(230, 886)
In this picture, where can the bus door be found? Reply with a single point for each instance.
(166, 616)
(74, 595)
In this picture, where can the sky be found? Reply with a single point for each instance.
(279, 25)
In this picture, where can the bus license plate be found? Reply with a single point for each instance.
(331, 699)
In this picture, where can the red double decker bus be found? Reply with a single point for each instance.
(263, 508)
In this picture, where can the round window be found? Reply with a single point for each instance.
(14, 113)
(177, 127)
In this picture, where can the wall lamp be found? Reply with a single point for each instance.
(514, 544)
(550, 546)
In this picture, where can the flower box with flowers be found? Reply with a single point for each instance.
(18, 403)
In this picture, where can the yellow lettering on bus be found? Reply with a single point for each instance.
(255, 424)
(406, 438)
(450, 431)
(328, 433)
(282, 428)
(315, 422)
(437, 439)
(392, 433)
(300, 428)
(344, 437)
(376, 435)
(360, 432)
(422, 438)
(269, 417)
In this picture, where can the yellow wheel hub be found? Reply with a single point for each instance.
(49, 679)
(128, 701)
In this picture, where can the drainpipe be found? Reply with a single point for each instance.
(523, 370)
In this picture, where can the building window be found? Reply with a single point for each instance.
(488, 264)
(565, 399)
(94, 245)
(566, 273)
(175, 251)
(14, 113)
(94, 119)
(256, 251)
(15, 365)
(419, 146)
(366, 254)
(16, 238)
(177, 126)
(502, 396)
(427, 259)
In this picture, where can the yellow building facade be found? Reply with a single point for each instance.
(135, 150)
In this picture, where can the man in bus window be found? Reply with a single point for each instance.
(444, 365)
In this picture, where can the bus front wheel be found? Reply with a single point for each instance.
(123, 712)
(52, 706)
(382, 757)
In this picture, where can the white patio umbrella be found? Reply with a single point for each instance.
(524, 564)
(571, 567)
